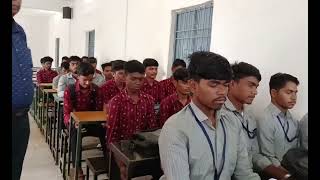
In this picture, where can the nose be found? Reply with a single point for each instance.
(222, 90)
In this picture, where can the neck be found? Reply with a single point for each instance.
(119, 84)
(238, 105)
(132, 93)
(150, 80)
(284, 110)
(182, 96)
(210, 113)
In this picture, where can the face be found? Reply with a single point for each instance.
(151, 72)
(16, 4)
(107, 72)
(47, 65)
(94, 65)
(134, 81)
(173, 69)
(85, 81)
(119, 76)
(244, 90)
(285, 97)
(210, 93)
(182, 87)
(73, 66)
(64, 71)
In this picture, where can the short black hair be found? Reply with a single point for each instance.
(133, 66)
(179, 62)
(105, 65)
(279, 80)
(242, 69)
(117, 65)
(92, 60)
(150, 62)
(181, 74)
(74, 58)
(84, 59)
(46, 59)
(85, 69)
(65, 65)
(65, 58)
(208, 65)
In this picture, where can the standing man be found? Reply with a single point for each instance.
(198, 143)
(22, 93)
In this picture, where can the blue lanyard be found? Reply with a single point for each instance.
(216, 174)
(251, 134)
(286, 131)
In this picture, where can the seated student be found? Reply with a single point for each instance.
(176, 101)
(69, 78)
(63, 59)
(115, 85)
(166, 86)
(198, 143)
(277, 129)
(46, 74)
(93, 62)
(131, 110)
(83, 96)
(150, 85)
(64, 70)
(303, 128)
(107, 71)
(242, 91)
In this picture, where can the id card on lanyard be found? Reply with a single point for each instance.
(217, 173)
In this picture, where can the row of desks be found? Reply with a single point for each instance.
(53, 133)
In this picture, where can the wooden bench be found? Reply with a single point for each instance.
(97, 165)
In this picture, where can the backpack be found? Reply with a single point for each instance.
(296, 162)
(93, 97)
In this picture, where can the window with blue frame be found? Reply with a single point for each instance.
(193, 30)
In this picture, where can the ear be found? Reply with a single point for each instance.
(273, 93)
(192, 83)
(232, 83)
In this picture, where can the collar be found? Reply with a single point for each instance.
(201, 116)
(124, 94)
(77, 86)
(276, 111)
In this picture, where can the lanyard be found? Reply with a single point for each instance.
(286, 131)
(216, 174)
(251, 134)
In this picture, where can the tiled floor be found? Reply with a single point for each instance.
(39, 162)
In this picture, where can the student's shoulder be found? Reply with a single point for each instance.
(117, 99)
(179, 119)
(146, 97)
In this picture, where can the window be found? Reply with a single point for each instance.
(91, 40)
(193, 30)
(57, 51)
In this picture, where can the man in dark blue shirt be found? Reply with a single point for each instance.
(22, 93)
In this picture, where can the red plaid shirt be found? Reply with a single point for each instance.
(46, 76)
(167, 88)
(109, 90)
(83, 101)
(126, 117)
(169, 106)
(153, 90)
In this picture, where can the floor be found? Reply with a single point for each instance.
(39, 163)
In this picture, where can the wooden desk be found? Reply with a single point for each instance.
(45, 121)
(57, 126)
(137, 164)
(45, 84)
(84, 117)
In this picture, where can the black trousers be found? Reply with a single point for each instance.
(20, 138)
(95, 130)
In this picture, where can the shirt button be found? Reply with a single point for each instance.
(26, 94)
(24, 79)
(20, 65)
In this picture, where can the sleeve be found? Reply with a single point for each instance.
(39, 77)
(67, 106)
(304, 132)
(266, 143)
(55, 82)
(258, 160)
(151, 115)
(243, 170)
(99, 102)
(62, 84)
(113, 133)
(173, 151)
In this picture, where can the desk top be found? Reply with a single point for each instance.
(89, 116)
(45, 84)
(50, 90)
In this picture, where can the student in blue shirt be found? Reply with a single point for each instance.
(22, 93)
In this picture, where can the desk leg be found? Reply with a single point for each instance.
(114, 170)
(58, 133)
(78, 151)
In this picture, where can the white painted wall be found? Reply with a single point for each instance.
(42, 28)
(272, 35)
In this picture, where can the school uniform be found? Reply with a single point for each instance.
(64, 81)
(303, 128)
